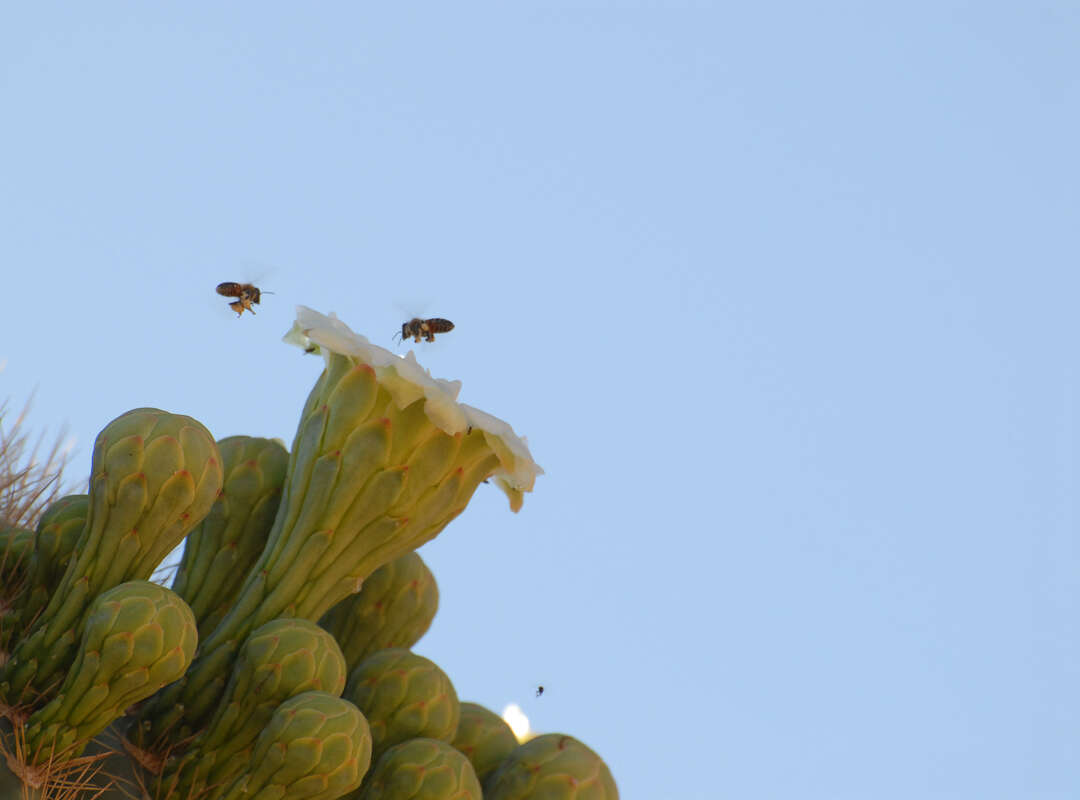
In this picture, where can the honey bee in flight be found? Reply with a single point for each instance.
(245, 295)
(426, 328)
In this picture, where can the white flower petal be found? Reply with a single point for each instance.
(407, 381)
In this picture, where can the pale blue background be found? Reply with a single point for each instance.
(783, 295)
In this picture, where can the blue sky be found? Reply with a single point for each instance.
(782, 294)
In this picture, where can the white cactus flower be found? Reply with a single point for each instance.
(407, 381)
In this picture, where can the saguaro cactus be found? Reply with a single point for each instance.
(393, 608)
(384, 457)
(421, 769)
(404, 696)
(154, 476)
(57, 534)
(138, 638)
(552, 766)
(316, 746)
(484, 737)
(279, 660)
(16, 548)
(220, 550)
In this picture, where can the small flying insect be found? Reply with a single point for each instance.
(426, 328)
(245, 295)
(539, 690)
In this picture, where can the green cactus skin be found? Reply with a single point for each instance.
(404, 696)
(316, 746)
(57, 533)
(15, 544)
(554, 767)
(279, 660)
(394, 608)
(421, 769)
(220, 550)
(154, 476)
(484, 737)
(138, 638)
(368, 481)
(16, 552)
(16, 547)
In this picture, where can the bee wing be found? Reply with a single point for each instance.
(411, 306)
(258, 273)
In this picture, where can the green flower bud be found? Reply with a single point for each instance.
(57, 533)
(16, 553)
(279, 660)
(484, 737)
(404, 696)
(154, 476)
(393, 608)
(551, 766)
(421, 769)
(316, 747)
(138, 637)
(221, 549)
(16, 547)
